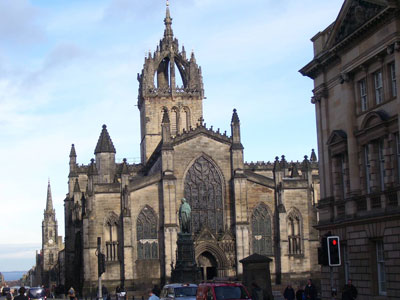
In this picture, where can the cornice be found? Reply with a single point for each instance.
(329, 56)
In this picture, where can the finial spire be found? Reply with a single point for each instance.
(168, 34)
(104, 143)
(49, 202)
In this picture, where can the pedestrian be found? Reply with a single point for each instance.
(256, 292)
(21, 295)
(289, 294)
(299, 293)
(310, 291)
(104, 292)
(9, 296)
(349, 291)
(71, 293)
(152, 295)
(157, 290)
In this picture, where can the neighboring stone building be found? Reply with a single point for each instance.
(47, 270)
(356, 70)
(237, 208)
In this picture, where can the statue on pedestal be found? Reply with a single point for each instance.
(186, 269)
(185, 216)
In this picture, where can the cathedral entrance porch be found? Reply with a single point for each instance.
(208, 265)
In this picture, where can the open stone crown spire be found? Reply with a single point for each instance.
(158, 76)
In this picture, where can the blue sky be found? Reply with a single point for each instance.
(68, 67)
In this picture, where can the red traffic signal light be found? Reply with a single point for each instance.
(333, 251)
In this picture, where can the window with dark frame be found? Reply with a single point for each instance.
(380, 262)
(261, 231)
(147, 237)
(343, 175)
(367, 166)
(378, 87)
(381, 164)
(111, 242)
(363, 94)
(294, 233)
(398, 156)
(392, 70)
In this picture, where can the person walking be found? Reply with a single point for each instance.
(152, 295)
(9, 296)
(289, 294)
(349, 291)
(21, 295)
(104, 292)
(310, 291)
(71, 293)
(299, 293)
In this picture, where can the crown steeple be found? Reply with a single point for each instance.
(168, 75)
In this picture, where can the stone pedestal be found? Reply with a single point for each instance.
(186, 270)
(256, 271)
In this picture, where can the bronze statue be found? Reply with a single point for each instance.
(185, 216)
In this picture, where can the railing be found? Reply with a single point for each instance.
(361, 203)
(391, 198)
(375, 201)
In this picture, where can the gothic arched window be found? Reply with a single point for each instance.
(174, 121)
(146, 231)
(294, 232)
(203, 191)
(261, 230)
(185, 116)
(111, 237)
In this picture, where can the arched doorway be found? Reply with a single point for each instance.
(208, 265)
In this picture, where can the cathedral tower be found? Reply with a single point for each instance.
(49, 237)
(169, 80)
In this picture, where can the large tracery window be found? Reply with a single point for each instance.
(261, 231)
(146, 230)
(294, 232)
(203, 191)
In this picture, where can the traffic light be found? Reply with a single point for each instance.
(323, 252)
(101, 259)
(333, 251)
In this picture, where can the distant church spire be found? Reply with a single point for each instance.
(49, 202)
(168, 34)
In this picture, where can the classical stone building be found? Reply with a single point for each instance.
(237, 208)
(356, 70)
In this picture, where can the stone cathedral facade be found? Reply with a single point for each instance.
(238, 208)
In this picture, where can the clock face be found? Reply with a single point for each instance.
(50, 241)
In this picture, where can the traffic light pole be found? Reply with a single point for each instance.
(333, 290)
(100, 296)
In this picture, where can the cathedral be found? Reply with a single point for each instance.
(238, 208)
